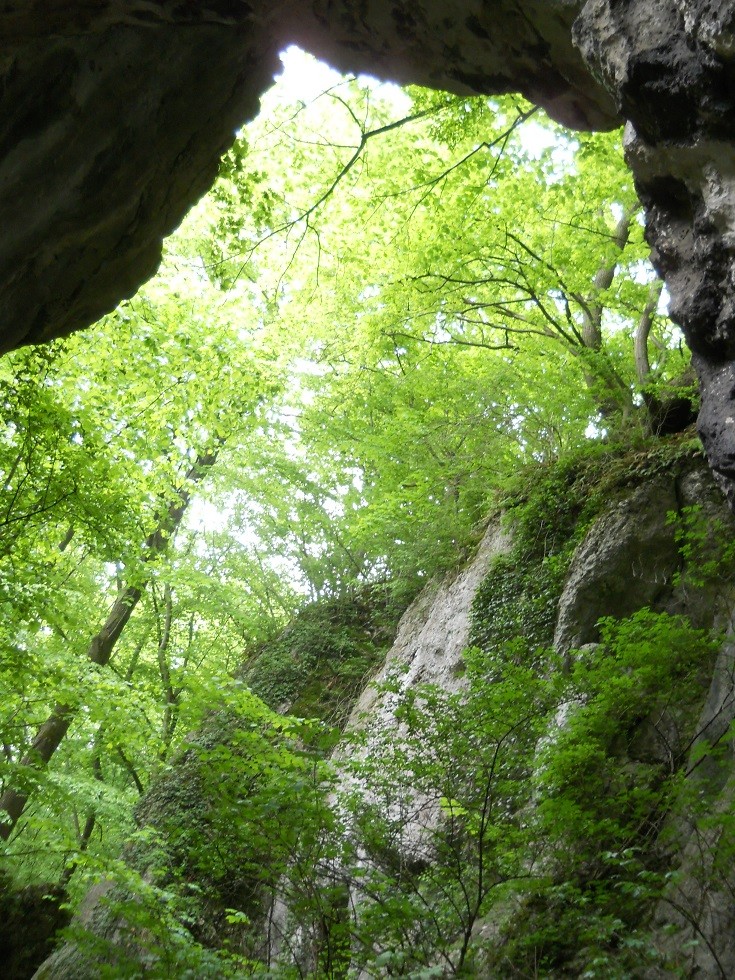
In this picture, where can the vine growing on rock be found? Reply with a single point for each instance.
(325, 658)
(521, 823)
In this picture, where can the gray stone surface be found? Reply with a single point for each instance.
(629, 559)
(669, 64)
(626, 561)
(435, 630)
(107, 137)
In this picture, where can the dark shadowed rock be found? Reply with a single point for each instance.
(670, 65)
(627, 560)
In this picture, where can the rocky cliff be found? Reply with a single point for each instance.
(625, 562)
(656, 544)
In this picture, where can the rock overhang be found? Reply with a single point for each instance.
(115, 114)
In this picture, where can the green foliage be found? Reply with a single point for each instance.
(516, 600)
(605, 780)
(96, 456)
(378, 319)
(439, 815)
(238, 812)
(447, 348)
(532, 797)
(550, 508)
(548, 516)
(705, 545)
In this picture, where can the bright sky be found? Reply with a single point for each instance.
(305, 78)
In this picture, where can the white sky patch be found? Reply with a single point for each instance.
(642, 272)
(304, 79)
(535, 138)
(595, 431)
(204, 516)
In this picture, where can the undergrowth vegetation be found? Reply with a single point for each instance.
(322, 661)
(523, 825)
(507, 829)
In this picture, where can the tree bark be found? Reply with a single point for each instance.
(642, 332)
(591, 334)
(592, 308)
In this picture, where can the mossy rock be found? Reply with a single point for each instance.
(322, 661)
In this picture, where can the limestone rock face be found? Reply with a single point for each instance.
(670, 65)
(630, 557)
(626, 561)
(435, 630)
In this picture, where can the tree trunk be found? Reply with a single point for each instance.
(592, 309)
(642, 332)
(52, 732)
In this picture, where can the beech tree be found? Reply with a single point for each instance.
(389, 302)
(97, 518)
(452, 339)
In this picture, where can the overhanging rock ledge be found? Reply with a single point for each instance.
(115, 112)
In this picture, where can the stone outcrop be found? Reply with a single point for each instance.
(435, 630)
(115, 115)
(630, 557)
(670, 65)
(108, 135)
(627, 560)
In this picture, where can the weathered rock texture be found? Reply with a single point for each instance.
(435, 630)
(670, 65)
(630, 557)
(108, 134)
(627, 560)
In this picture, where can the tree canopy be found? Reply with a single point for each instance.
(389, 303)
